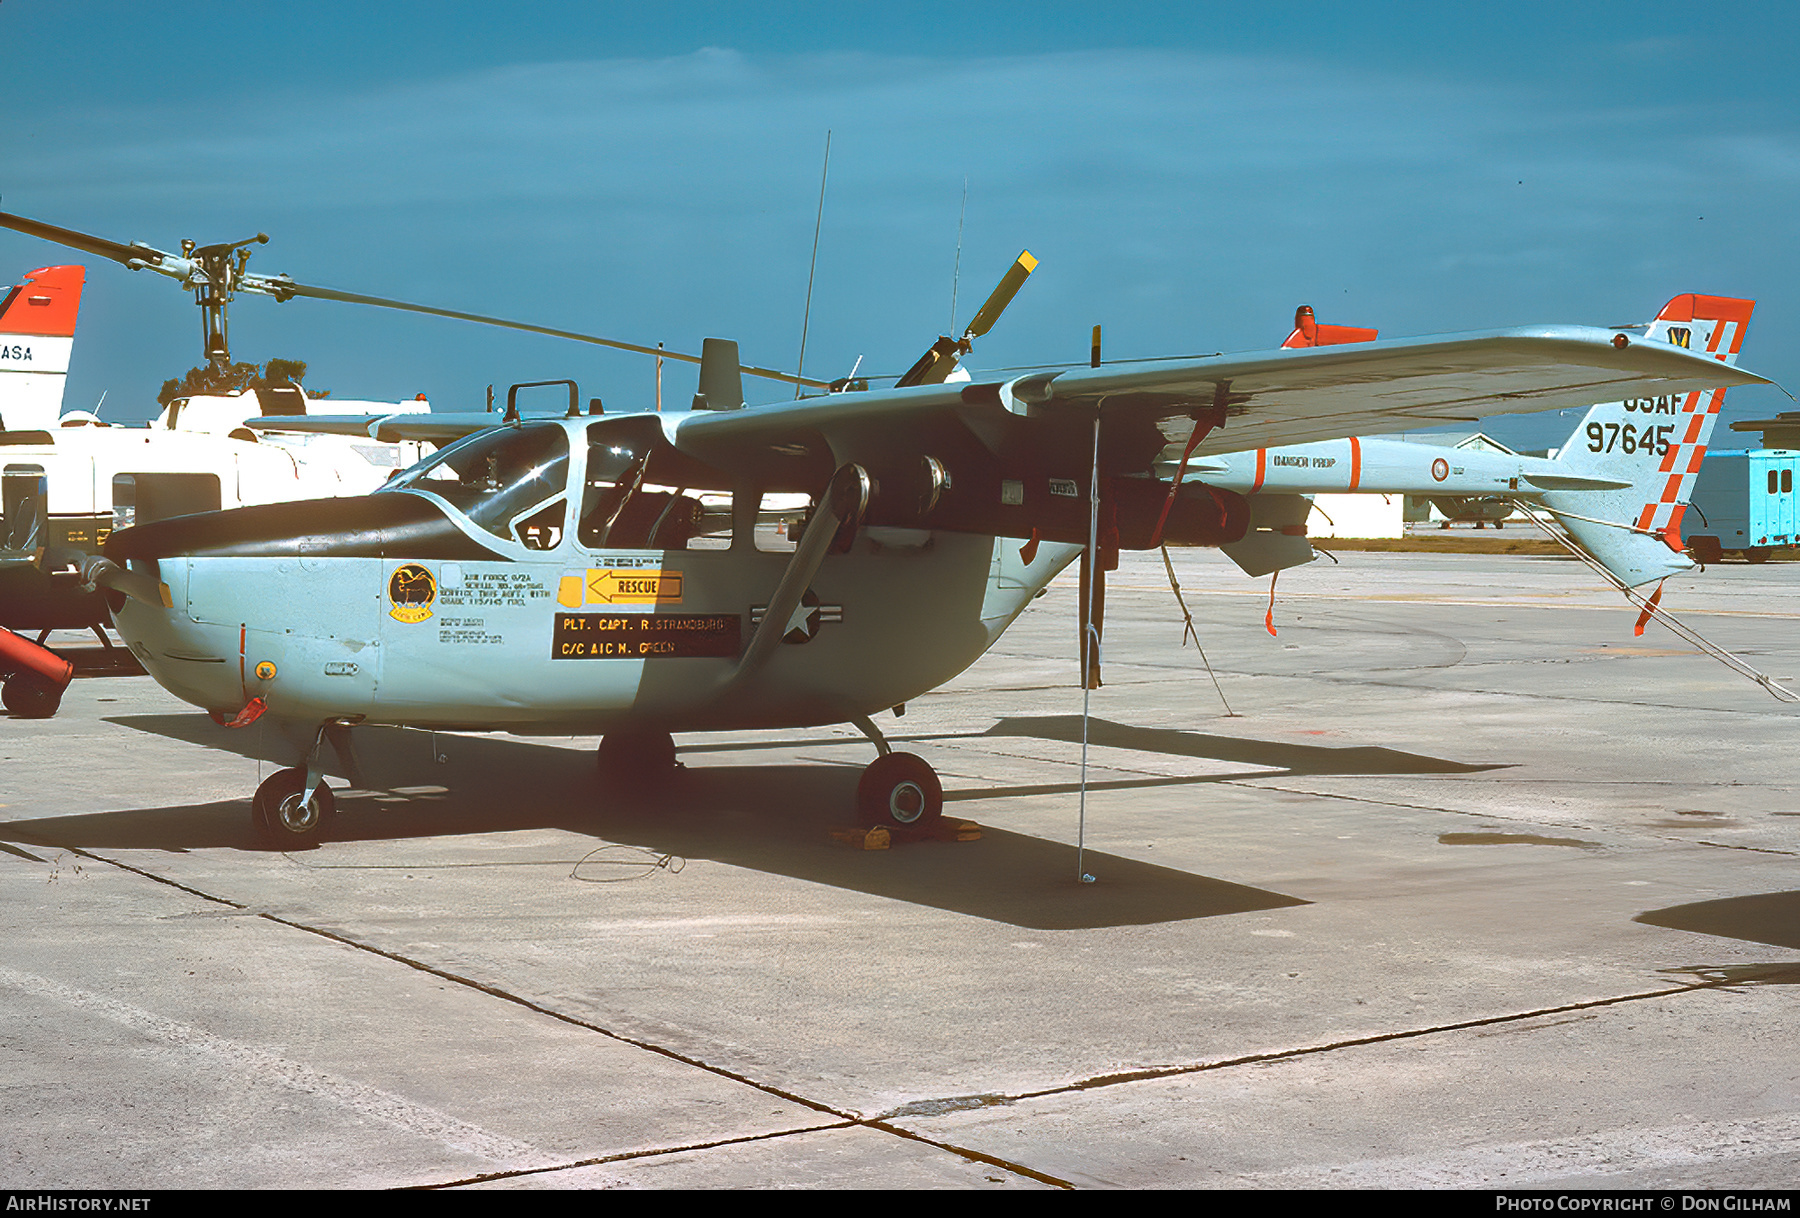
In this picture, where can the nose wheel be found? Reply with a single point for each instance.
(899, 789)
(286, 821)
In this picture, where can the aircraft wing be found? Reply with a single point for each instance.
(1290, 396)
(1151, 407)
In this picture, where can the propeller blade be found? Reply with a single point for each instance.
(1010, 283)
(936, 365)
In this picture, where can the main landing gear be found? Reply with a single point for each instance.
(897, 789)
(285, 818)
(637, 759)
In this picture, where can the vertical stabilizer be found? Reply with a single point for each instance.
(37, 331)
(1656, 444)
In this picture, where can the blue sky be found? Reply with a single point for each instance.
(1187, 175)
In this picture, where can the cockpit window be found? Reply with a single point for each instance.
(495, 476)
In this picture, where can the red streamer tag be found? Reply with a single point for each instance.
(1269, 617)
(1649, 609)
(252, 711)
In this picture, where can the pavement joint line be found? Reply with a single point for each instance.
(1329, 598)
(1513, 820)
(1505, 693)
(1734, 846)
(850, 1118)
(1363, 683)
(623, 1157)
(1153, 1073)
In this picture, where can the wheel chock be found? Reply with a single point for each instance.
(877, 838)
(883, 837)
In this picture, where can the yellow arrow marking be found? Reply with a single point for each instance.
(615, 587)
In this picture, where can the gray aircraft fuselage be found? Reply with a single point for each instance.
(452, 623)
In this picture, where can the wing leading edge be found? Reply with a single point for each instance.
(1257, 400)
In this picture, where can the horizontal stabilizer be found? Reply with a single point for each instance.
(1569, 482)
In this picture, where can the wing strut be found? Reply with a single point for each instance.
(844, 499)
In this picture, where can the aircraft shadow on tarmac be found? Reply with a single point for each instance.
(1763, 917)
(771, 818)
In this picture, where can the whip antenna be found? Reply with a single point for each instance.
(956, 270)
(806, 318)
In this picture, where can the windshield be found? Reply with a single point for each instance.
(495, 475)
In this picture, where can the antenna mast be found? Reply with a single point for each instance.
(806, 318)
(956, 270)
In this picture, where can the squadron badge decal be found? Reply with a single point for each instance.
(412, 590)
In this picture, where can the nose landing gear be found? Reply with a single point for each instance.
(284, 818)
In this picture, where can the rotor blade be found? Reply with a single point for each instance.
(282, 288)
(100, 247)
(1010, 283)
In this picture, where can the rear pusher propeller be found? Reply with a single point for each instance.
(941, 359)
(215, 273)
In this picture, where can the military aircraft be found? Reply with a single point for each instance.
(1619, 484)
(607, 575)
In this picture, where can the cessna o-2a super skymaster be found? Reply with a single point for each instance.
(606, 575)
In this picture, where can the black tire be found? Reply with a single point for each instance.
(279, 818)
(636, 758)
(30, 696)
(1756, 554)
(899, 789)
(1706, 550)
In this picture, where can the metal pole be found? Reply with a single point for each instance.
(1092, 638)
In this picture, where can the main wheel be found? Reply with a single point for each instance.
(636, 758)
(899, 789)
(30, 696)
(1756, 554)
(282, 820)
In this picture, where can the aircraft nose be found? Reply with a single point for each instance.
(363, 526)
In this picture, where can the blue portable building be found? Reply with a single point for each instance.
(1743, 502)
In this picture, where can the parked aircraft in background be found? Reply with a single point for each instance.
(1619, 485)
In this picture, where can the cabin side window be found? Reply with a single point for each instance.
(779, 521)
(627, 506)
